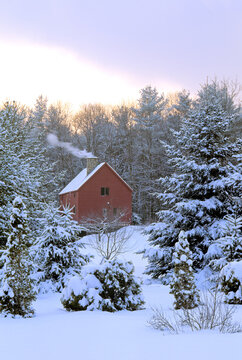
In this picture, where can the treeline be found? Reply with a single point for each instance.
(128, 137)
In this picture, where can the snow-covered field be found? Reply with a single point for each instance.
(57, 334)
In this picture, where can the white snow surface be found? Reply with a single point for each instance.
(55, 333)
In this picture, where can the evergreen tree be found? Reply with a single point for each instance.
(182, 284)
(201, 191)
(40, 110)
(12, 169)
(24, 170)
(16, 292)
(183, 104)
(57, 250)
(149, 125)
(179, 105)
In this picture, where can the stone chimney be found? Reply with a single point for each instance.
(92, 162)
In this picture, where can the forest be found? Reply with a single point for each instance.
(180, 154)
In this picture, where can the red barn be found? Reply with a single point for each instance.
(98, 192)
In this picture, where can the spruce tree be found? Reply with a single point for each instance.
(57, 249)
(24, 170)
(201, 191)
(149, 127)
(182, 284)
(16, 292)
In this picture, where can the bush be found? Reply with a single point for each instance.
(212, 313)
(107, 287)
(231, 282)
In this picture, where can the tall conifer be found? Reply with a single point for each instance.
(201, 191)
(16, 292)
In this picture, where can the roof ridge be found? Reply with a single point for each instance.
(82, 178)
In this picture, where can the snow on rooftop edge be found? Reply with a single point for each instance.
(82, 177)
(79, 180)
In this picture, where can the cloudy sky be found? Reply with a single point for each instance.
(106, 50)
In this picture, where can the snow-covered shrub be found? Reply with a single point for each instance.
(182, 284)
(212, 313)
(16, 291)
(231, 282)
(110, 286)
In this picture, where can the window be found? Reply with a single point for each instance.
(115, 211)
(104, 191)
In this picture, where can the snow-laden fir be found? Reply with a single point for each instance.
(57, 254)
(182, 283)
(24, 169)
(16, 287)
(204, 184)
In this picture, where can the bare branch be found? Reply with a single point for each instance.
(108, 238)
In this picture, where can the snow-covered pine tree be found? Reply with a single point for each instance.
(182, 284)
(40, 111)
(200, 192)
(57, 250)
(149, 127)
(183, 104)
(24, 170)
(16, 292)
(12, 170)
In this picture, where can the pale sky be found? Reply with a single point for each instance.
(106, 50)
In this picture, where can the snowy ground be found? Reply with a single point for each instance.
(57, 334)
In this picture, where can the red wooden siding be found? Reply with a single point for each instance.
(89, 202)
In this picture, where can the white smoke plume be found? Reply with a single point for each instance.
(54, 141)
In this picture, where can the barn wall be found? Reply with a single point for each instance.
(90, 202)
(70, 199)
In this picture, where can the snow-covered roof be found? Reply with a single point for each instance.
(80, 179)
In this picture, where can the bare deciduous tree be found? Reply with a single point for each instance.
(109, 236)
